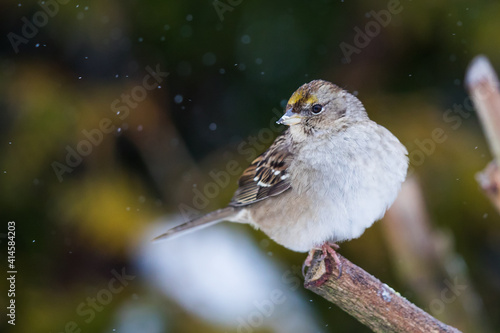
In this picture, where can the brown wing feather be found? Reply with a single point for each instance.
(266, 176)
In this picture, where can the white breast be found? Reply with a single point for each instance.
(345, 184)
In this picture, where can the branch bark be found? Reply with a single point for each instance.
(425, 260)
(482, 83)
(367, 299)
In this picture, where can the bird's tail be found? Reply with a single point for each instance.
(198, 223)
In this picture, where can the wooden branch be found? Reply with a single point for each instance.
(482, 83)
(425, 259)
(368, 300)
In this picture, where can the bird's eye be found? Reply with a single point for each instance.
(317, 108)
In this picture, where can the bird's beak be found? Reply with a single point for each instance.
(289, 118)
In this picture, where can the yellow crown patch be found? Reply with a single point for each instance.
(302, 96)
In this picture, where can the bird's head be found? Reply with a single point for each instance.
(321, 105)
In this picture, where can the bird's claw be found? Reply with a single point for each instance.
(326, 249)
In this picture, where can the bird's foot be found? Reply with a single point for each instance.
(327, 249)
(308, 261)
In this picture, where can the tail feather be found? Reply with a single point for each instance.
(198, 223)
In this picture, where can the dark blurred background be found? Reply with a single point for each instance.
(97, 155)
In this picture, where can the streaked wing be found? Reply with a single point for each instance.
(266, 176)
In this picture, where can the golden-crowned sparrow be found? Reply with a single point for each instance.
(327, 178)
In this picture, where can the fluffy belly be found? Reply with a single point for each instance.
(300, 228)
(337, 191)
(338, 216)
